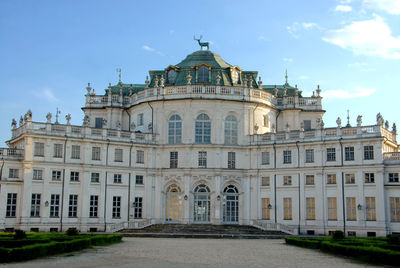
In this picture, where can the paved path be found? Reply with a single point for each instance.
(193, 253)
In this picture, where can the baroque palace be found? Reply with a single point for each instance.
(201, 141)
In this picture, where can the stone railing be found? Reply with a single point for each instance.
(11, 153)
(204, 91)
(391, 158)
(83, 132)
(137, 224)
(272, 226)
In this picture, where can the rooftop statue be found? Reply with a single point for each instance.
(202, 44)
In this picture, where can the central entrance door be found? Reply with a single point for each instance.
(231, 205)
(201, 209)
(173, 204)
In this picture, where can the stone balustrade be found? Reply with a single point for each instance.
(391, 156)
(11, 153)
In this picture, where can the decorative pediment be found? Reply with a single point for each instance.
(203, 64)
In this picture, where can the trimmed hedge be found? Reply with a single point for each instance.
(44, 249)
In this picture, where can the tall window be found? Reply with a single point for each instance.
(331, 179)
(309, 155)
(35, 205)
(264, 158)
(287, 157)
(330, 154)
(13, 173)
(202, 159)
(175, 129)
(265, 181)
(266, 209)
(116, 211)
(95, 177)
(395, 208)
(310, 203)
(266, 120)
(307, 125)
(98, 122)
(58, 150)
(332, 209)
(369, 177)
(138, 207)
(39, 149)
(393, 177)
(287, 180)
(231, 130)
(203, 129)
(368, 152)
(309, 179)
(287, 206)
(351, 208)
(37, 174)
(117, 178)
(139, 180)
(93, 206)
(231, 160)
(202, 76)
(95, 153)
(370, 208)
(171, 76)
(118, 155)
(76, 152)
(140, 157)
(140, 119)
(73, 206)
(54, 205)
(74, 176)
(173, 159)
(350, 178)
(348, 153)
(56, 175)
(11, 209)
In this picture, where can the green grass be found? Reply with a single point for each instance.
(44, 244)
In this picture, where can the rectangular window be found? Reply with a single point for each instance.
(310, 203)
(202, 159)
(395, 208)
(265, 181)
(13, 173)
(73, 206)
(368, 152)
(369, 178)
(75, 152)
(287, 157)
(348, 153)
(118, 155)
(56, 175)
(35, 205)
(331, 179)
(393, 177)
(370, 208)
(140, 119)
(266, 209)
(309, 179)
(37, 174)
(95, 153)
(139, 180)
(307, 125)
(173, 159)
(350, 178)
(39, 149)
(330, 154)
(287, 180)
(351, 209)
(98, 123)
(266, 121)
(332, 211)
(140, 157)
(58, 150)
(309, 155)
(117, 178)
(231, 160)
(11, 209)
(264, 158)
(93, 206)
(54, 205)
(74, 176)
(138, 207)
(287, 204)
(116, 211)
(95, 177)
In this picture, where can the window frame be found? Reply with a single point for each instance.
(11, 206)
(116, 208)
(287, 157)
(349, 153)
(231, 160)
(368, 152)
(173, 159)
(330, 154)
(54, 206)
(202, 159)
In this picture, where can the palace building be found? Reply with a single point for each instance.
(202, 141)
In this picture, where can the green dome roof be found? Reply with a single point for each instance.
(204, 56)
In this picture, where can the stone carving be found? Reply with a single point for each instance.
(133, 126)
(104, 123)
(273, 128)
(147, 82)
(162, 81)
(256, 128)
(150, 127)
(379, 119)
(359, 121)
(287, 127)
(394, 128)
(48, 117)
(156, 81)
(93, 92)
(13, 123)
(218, 78)
(109, 89)
(21, 121)
(118, 125)
(68, 118)
(88, 88)
(28, 116)
(296, 91)
(276, 90)
(302, 126)
(339, 122)
(259, 82)
(120, 90)
(244, 81)
(130, 90)
(285, 91)
(251, 82)
(86, 121)
(387, 124)
(318, 91)
(189, 78)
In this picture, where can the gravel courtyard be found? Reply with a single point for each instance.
(193, 253)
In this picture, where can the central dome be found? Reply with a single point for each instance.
(203, 56)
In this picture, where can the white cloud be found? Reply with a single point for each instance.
(145, 47)
(368, 37)
(262, 38)
(361, 66)
(296, 27)
(309, 25)
(288, 59)
(389, 6)
(343, 8)
(303, 77)
(358, 92)
(46, 93)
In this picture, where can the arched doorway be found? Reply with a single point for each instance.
(201, 204)
(173, 204)
(231, 205)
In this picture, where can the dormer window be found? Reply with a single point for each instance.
(171, 76)
(235, 76)
(203, 73)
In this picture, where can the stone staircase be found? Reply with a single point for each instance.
(202, 231)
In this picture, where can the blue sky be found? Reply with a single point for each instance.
(50, 50)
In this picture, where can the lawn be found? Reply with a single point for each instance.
(20, 246)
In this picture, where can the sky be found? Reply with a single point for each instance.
(50, 50)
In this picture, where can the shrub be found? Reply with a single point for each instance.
(338, 235)
(19, 234)
(393, 239)
(72, 231)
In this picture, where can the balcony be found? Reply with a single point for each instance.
(391, 158)
(11, 154)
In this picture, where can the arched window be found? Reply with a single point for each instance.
(203, 129)
(231, 205)
(201, 204)
(231, 130)
(173, 203)
(171, 76)
(203, 73)
(175, 129)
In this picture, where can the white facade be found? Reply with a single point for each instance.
(201, 153)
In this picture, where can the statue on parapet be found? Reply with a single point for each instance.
(202, 44)
(379, 119)
(359, 121)
(13, 123)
